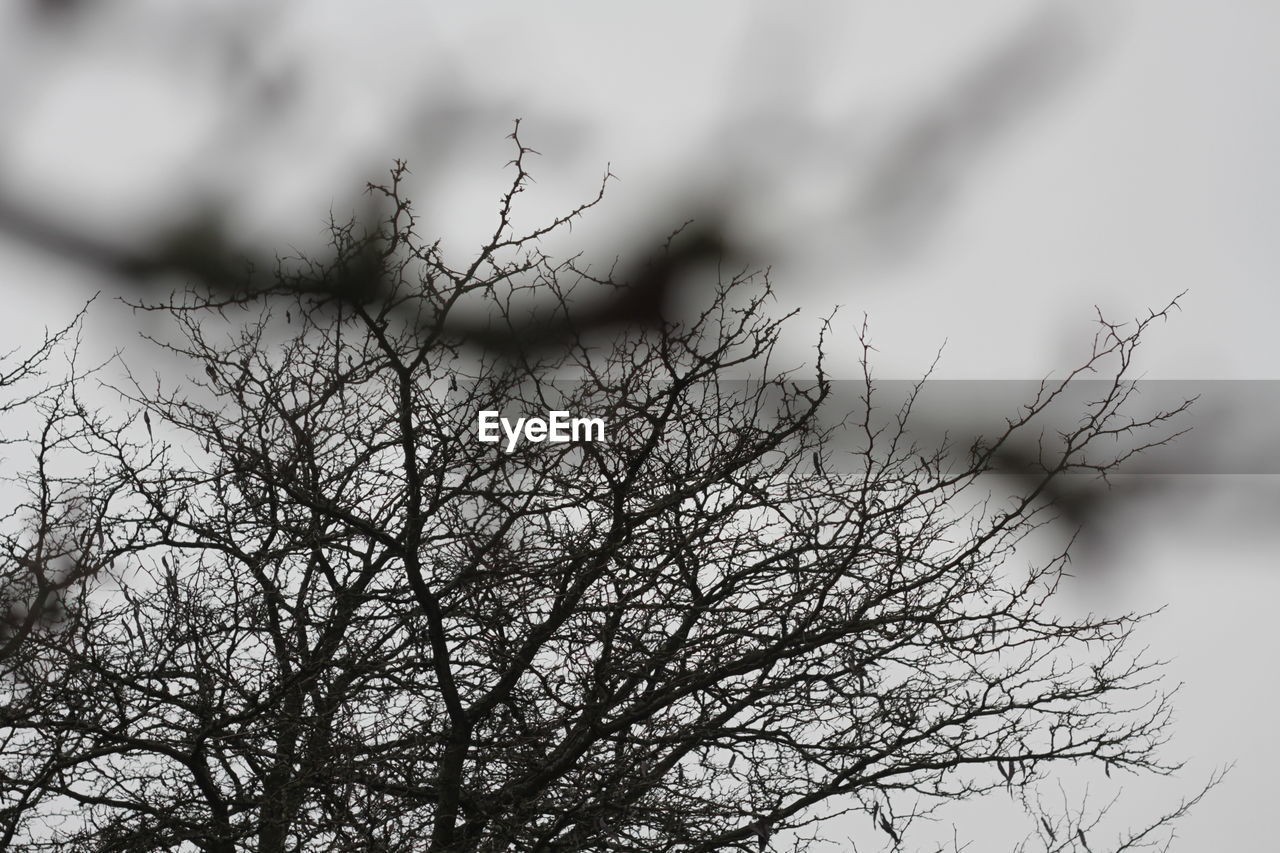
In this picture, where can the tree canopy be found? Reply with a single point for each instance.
(307, 609)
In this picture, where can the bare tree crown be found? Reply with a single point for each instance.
(324, 616)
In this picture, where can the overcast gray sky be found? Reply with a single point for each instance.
(980, 173)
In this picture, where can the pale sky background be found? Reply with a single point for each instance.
(1115, 158)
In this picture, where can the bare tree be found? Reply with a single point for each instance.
(37, 562)
(52, 541)
(335, 619)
